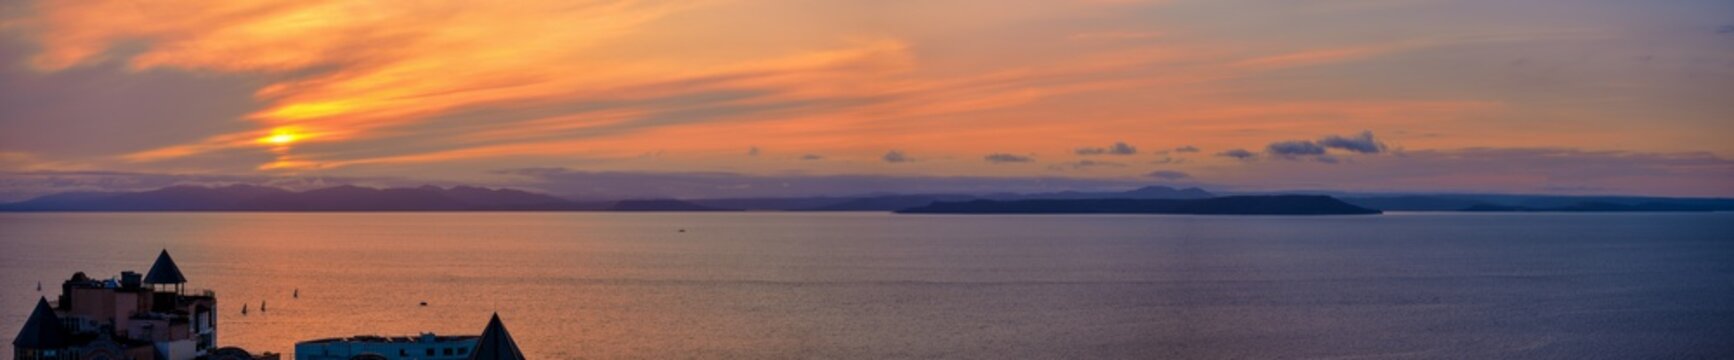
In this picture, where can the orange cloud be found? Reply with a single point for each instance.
(370, 83)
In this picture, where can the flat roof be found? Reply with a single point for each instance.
(389, 339)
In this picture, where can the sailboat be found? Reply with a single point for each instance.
(297, 293)
(261, 305)
(243, 309)
(39, 286)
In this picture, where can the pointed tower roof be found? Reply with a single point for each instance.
(164, 271)
(42, 330)
(496, 343)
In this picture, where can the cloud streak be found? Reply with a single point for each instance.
(1004, 158)
(1118, 148)
(1294, 148)
(1238, 154)
(895, 156)
(1316, 150)
(1168, 175)
(1362, 143)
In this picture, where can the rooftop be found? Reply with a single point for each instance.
(43, 330)
(423, 338)
(164, 271)
(496, 343)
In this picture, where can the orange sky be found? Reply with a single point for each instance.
(1536, 96)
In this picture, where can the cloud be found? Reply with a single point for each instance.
(1001, 158)
(1118, 148)
(811, 157)
(753, 151)
(1168, 175)
(1725, 29)
(1362, 143)
(895, 156)
(1240, 154)
(1085, 164)
(1294, 148)
(1186, 149)
(1168, 160)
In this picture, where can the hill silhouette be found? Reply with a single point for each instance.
(339, 198)
(893, 202)
(1227, 205)
(661, 205)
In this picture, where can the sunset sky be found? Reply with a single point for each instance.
(708, 98)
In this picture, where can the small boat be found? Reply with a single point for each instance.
(243, 309)
(261, 305)
(424, 303)
(39, 286)
(297, 293)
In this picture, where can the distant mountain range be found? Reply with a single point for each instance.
(1553, 203)
(260, 198)
(1226, 205)
(340, 198)
(895, 202)
(469, 198)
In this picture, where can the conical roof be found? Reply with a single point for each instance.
(496, 343)
(43, 330)
(164, 271)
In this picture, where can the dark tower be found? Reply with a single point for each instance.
(43, 337)
(164, 272)
(496, 343)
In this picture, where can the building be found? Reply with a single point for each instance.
(494, 343)
(149, 317)
(427, 346)
(43, 337)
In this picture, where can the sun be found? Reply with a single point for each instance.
(282, 136)
(280, 139)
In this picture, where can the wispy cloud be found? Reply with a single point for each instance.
(1086, 165)
(1118, 148)
(1361, 143)
(895, 156)
(1168, 175)
(1294, 148)
(1238, 154)
(1002, 158)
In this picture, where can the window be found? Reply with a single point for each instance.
(429, 351)
(448, 351)
(402, 352)
(463, 351)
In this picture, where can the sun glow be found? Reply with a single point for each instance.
(282, 136)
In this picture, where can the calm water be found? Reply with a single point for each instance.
(871, 286)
